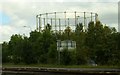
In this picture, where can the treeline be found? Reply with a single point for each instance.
(98, 43)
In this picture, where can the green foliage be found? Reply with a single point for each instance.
(15, 46)
(5, 52)
(27, 53)
(79, 28)
(65, 57)
(52, 54)
(98, 43)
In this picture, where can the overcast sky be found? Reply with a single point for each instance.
(15, 14)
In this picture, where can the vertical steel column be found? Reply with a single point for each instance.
(40, 23)
(59, 25)
(78, 19)
(91, 16)
(55, 21)
(84, 21)
(51, 22)
(96, 17)
(36, 22)
(65, 18)
(46, 18)
(68, 22)
(75, 19)
(44, 22)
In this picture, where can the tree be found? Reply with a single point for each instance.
(28, 55)
(6, 53)
(90, 38)
(15, 46)
(52, 54)
(98, 43)
(36, 42)
(42, 43)
(79, 28)
(81, 51)
(65, 57)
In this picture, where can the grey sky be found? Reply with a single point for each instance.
(22, 13)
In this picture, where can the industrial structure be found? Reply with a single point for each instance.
(60, 20)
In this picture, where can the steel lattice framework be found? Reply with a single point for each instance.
(60, 20)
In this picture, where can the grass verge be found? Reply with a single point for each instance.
(58, 66)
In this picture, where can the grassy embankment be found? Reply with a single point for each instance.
(58, 66)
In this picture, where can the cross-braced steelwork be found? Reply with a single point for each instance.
(60, 20)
